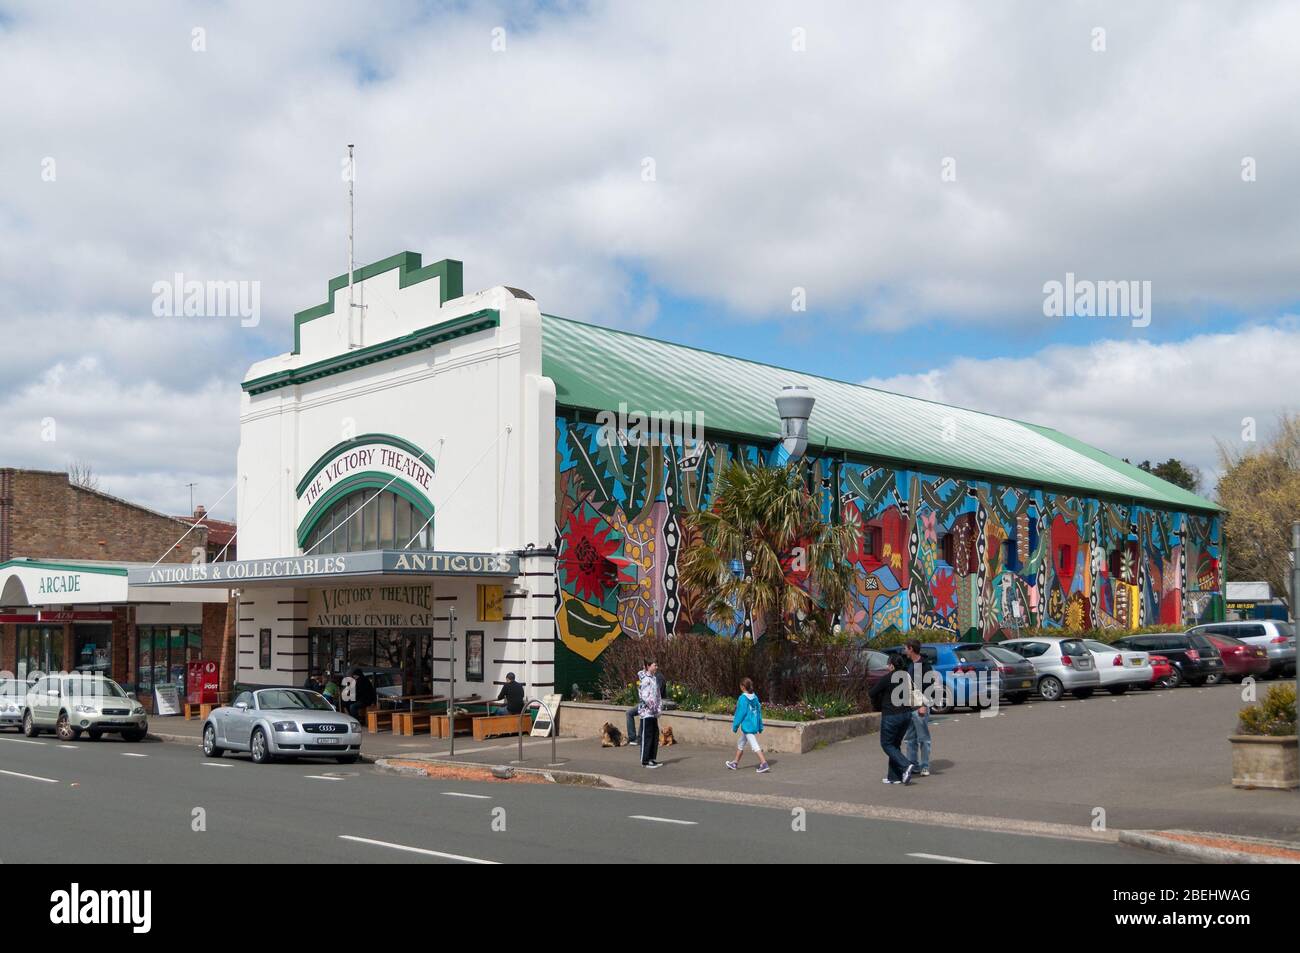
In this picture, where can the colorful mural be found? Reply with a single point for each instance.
(936, 552)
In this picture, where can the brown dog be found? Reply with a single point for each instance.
(666, 736)
(610, 737)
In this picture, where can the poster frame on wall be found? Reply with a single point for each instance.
(474, 655)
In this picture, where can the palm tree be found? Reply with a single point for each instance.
(759, 519)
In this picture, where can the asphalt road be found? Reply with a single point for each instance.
(110, 801)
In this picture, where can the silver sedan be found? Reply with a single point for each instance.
(272, 723)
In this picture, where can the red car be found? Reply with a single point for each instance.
(1240, 658)
(1161, 671)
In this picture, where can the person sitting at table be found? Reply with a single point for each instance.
(364, 694)
(330, 689)
(513, 694)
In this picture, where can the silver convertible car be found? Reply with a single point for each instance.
(282, 723)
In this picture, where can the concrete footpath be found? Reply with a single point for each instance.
(1153, 765)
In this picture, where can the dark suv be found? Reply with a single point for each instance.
(1193, 656)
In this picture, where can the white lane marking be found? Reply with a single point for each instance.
(68, 747)
(22, 741)
(320, 777)
(661, 820)
(132, 754)
(481, 797)
(31, 777)
(214, 764)
(951, 860)
(416, 850)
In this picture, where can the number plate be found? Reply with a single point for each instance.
(326, 740)
(1135, 661)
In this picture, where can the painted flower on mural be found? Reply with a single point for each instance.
(585, 561)
(890, 558)
(1126, 566)
(928, 524)
(943, 587)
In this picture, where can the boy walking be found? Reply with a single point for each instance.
(650, 704)
(749, 722)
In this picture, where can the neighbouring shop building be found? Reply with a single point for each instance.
(65, 600)
(426, 476)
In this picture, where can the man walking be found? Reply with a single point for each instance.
(916, 742)
(649, 707)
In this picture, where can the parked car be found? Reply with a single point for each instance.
(272, 723)
(969, 677)
(1063, 665)
(1193, 656)
(1120, 669)
(1162, 673)
(69, 704)
(1240, 659)
(12, 696)
(1274, 636)
(1017, 676)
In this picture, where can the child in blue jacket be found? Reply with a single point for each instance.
(749, 722)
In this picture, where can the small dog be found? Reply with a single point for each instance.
(610, 737)
(666, 736)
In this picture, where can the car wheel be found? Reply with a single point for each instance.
(133, 735)
(1050, 687)
(29, 725)
(1117, 689)
(348, 759)
(94, 734)
(1083, 693)
(65, 729)
(941, 704)
(1173, 679)
(1018, 698)
(210, 747)
(259, 749)
(1213, 679)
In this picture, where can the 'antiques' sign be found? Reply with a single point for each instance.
(378, 562)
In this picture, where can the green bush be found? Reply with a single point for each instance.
(1274, 716)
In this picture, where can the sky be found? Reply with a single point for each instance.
(868, 191)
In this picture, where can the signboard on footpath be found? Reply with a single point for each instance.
(166, 700)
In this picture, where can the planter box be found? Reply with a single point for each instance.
(1263, 761)
(586, 719)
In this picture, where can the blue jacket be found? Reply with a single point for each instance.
(749, 714)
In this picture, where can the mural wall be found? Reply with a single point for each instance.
(936, 552)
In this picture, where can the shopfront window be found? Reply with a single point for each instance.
(92, 648)
(363, 521)
(39, 649)
(398, 661)
(163, 653)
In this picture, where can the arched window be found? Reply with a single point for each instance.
(363, 521)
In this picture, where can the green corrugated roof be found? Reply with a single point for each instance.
(597, 368)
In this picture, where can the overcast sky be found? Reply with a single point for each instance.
(920, 171)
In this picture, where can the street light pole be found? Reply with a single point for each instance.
(451, 693)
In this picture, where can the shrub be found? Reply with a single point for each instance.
(1274, 716)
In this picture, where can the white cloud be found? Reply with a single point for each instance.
(1134, 398)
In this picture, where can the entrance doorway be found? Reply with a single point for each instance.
(397, 661)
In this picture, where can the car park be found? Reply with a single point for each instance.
(76, 703)
(1241, 660)
(1193, 656)
(1120, 669)
(1063, 664)
(1276, 637)
(273, 723)
(1017, 677)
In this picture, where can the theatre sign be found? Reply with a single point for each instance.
(328, 568)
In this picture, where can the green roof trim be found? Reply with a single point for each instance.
(449, 270)
(410, 449)
(61, 567)
(597, 369)
(481, 320)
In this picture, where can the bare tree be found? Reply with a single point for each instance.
(82, 473)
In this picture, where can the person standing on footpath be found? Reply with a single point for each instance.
(917, 740)
(648, 709)
(892, 697)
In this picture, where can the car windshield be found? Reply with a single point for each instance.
(999, 654)
(281, 698)
(1073, 647)
(92, 688)
(1095, 646)
(1285, 628)
(1202, 642)
(8, 687)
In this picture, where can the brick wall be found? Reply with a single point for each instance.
(46, 516)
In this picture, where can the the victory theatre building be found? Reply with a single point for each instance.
(430, 475)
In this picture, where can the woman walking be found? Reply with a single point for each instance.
(749, 722)
(892, 697)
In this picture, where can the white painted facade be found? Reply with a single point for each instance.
(476, 404)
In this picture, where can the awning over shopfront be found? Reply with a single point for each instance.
(36, 582)
(327, 570)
